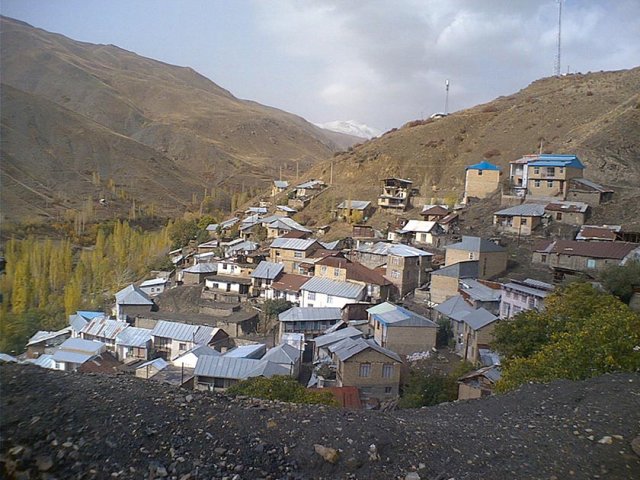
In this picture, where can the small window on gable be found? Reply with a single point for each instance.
(480, 172)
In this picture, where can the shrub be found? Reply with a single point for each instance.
(494, 152)
(282, 388)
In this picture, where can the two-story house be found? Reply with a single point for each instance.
(544, 175)
(520, 295)
(342, 269)
(291, 252)
(492, 258)
(309, 321)
(396, 194)
(323, 292)
(481, 180)
(171, 339)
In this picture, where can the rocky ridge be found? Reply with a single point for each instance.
(62, 425)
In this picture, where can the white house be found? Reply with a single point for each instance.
(76, 351)
(154, 286)
(322, 292)
(190, 358)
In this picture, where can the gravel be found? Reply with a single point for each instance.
(59, 425)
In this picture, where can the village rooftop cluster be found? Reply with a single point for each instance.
(363, 308)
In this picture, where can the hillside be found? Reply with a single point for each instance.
(71, 110)
(93, 426)
(596, 116)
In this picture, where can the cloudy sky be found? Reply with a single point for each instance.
(380, 62)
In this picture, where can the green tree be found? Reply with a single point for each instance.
(272, 308)
(282, 388)
(620, 280)
(581, 333)
(445, 333)
(424, 390)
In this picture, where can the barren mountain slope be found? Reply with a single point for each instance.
(213, 137)
(596, 116)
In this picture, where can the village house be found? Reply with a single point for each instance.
(568, 257)
(520, 219)
(355, 210)
(481, 180)
(309, 189)
(287, 287)
(133, 343)
(446, 280)
(171, 339)
(419, 232)
(103, 330)
(373, 369)
(342, 269)
(482, 294)
(454, 309)
(227, 288)
(263, 277)
(477, 333)
(132, 302)
(150, 368)
(309, 321)
(197, 274)
(44, 342)
(154, 286)
(78, 320)
(478, 383)
(599, 233)
(450, 223)
(492, 258)
(583, 190)
(240, 247)
(285, 211)
(544, 175)
(286, 356)
(73, 352)
(396, 194)
(322, 345)
(322, 292)
(220, 228)
(278, 187)
(520, 295)
(254, 351)
(291, 252)
(571, 213)
(208, 247)
(401, 330)
(280, 226)
(217, 373)
(434, 213)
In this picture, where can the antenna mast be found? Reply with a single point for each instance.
(558, 57)
(446, 97)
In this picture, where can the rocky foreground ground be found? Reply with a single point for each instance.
(68, 426)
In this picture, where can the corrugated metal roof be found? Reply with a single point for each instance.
(247, 351)
(354, 204)
(556, 160)
(297, 314)
(154, 281)
(479, 318)
(246, 246)
(572, 207)
(468, 269)
(200, 334)
(268, 270)
(268, 369)
(479, 291)
(334, 288)
(43, 335)
(399, 250)
(476, 244)
(44, 361)
(598, 232)
(286, 208)
(132, 295)
(79, 344)
(420, 226)
(65, 356)
(225, 367)
(592, 185)
(484, 165)
(202, 268)
(337, 336)
(524, 210)
(286, 223)
(455, 308)
(283, 354)
(104, 328)
(281, 183)
(401, 317)
(533, 289)
(293, 243)
(9, 358)
(158, 363)
(613, 250)
(134, 337)
(310, 184)
(361, 345)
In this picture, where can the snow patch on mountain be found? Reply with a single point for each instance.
(350, 127)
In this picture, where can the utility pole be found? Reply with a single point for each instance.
(558, 57)
(446, 97)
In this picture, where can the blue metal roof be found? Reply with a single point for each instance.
(556, 160)
(484, 165)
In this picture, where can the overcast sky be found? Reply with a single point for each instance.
(381, 63)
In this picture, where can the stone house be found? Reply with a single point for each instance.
(278, 187)
(286, 356)
(291, 252)
(520, 219)
(133, 343)
(492, 258)
(288, 287)
(374, 370)
(419, 232)
(446, 280)
(132, 302)
(434, 213)
(599, 233)
(362, 208)
(44, 342)
(571, 213)
(544, 175)
(341, 269)
(217, 373)
(583, 190)
(263, 277)
(570, 257)
(481, 180)
(310, 188)
(401, 330)
(197, 274)
(477, 333)
(172, 339)
(479, 383)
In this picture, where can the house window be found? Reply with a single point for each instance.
(297, 254)
(323, 269)
(387, 389)
(536, 170)
(559, 216)
(387, 370)
(470, 255)
(549, 183)
(336, 272)
(543, 258)
(536, 183)
(329, 299)
(551, 171)
(480, 172)
(591, 263)
(523, 221)
(395, 274)
(311, 296)
(182, 346)
(365, 369)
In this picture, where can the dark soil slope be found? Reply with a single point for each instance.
(89, 426)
